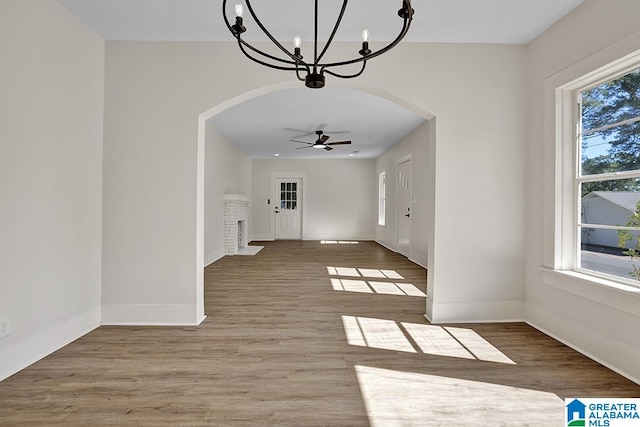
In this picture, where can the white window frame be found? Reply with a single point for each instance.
(382, 199)
(568, 179)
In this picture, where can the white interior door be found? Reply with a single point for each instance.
(404, 208)
(288, 208)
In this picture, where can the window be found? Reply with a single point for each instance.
(606, 182)
(381, 199)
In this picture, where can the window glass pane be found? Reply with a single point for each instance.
(600, 252)
(612, 150)
(620, 186)
(611, 102)
(608, 203)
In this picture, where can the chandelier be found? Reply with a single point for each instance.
(314, 69)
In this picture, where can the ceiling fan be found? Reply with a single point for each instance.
(321, 142)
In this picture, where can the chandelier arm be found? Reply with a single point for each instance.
(272, 57)
(398, 39)
(266, 64)
(267, 33)
(298, 73)
(345, 76)
(315, 37)
(335, 29)
(258, 51)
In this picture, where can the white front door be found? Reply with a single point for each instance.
(288, 208)
(404, 208)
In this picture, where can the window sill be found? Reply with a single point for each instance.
(607, 292)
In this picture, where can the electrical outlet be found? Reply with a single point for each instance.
(4, 328)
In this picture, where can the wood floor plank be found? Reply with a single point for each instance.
(308, 334)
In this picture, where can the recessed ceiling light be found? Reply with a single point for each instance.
(276, 155)
(351, 154)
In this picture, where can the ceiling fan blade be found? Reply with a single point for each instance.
(328, 148)
(339, 143)
(323, 138)
(300, 148)
(301, 142)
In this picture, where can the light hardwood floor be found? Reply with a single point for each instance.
(309, 334)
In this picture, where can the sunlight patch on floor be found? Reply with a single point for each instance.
(385, 288)
(376, 333)
(428, 339)
(477, 345)
(364, 272)
(338, 242)
(395, 398)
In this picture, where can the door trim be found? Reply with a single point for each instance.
(401, 160)
(289, 175)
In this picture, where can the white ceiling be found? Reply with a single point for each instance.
(262, 127)
(449, 21)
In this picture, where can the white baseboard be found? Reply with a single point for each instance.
(261, 238)
(476, 312)
(212, 257)
(416, 258)
(627, 357)
(18, 356)
(390, 247)
(151, 314)
(418, 263)
(361, 238)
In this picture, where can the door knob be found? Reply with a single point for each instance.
(407, 215)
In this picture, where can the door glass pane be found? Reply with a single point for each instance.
(293, 205)
(288, 186)
(283, 186)
(283, 204)
(294, 186)
(294, 196)
(288, 205)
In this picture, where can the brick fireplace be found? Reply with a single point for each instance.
(236, 223)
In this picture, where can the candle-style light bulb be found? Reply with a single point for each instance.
(238, 28)
(297, 41)
(365, 43)
(239, 10)
(365, 35)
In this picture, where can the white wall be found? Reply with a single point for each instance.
(156, 91)
(416, 144)
(51, 110)
(339, 198)
(227, 171)
(601, 322)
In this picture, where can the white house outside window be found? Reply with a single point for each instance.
(607, 177)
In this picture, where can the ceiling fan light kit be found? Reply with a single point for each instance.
(321, 142)
(313, 70)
